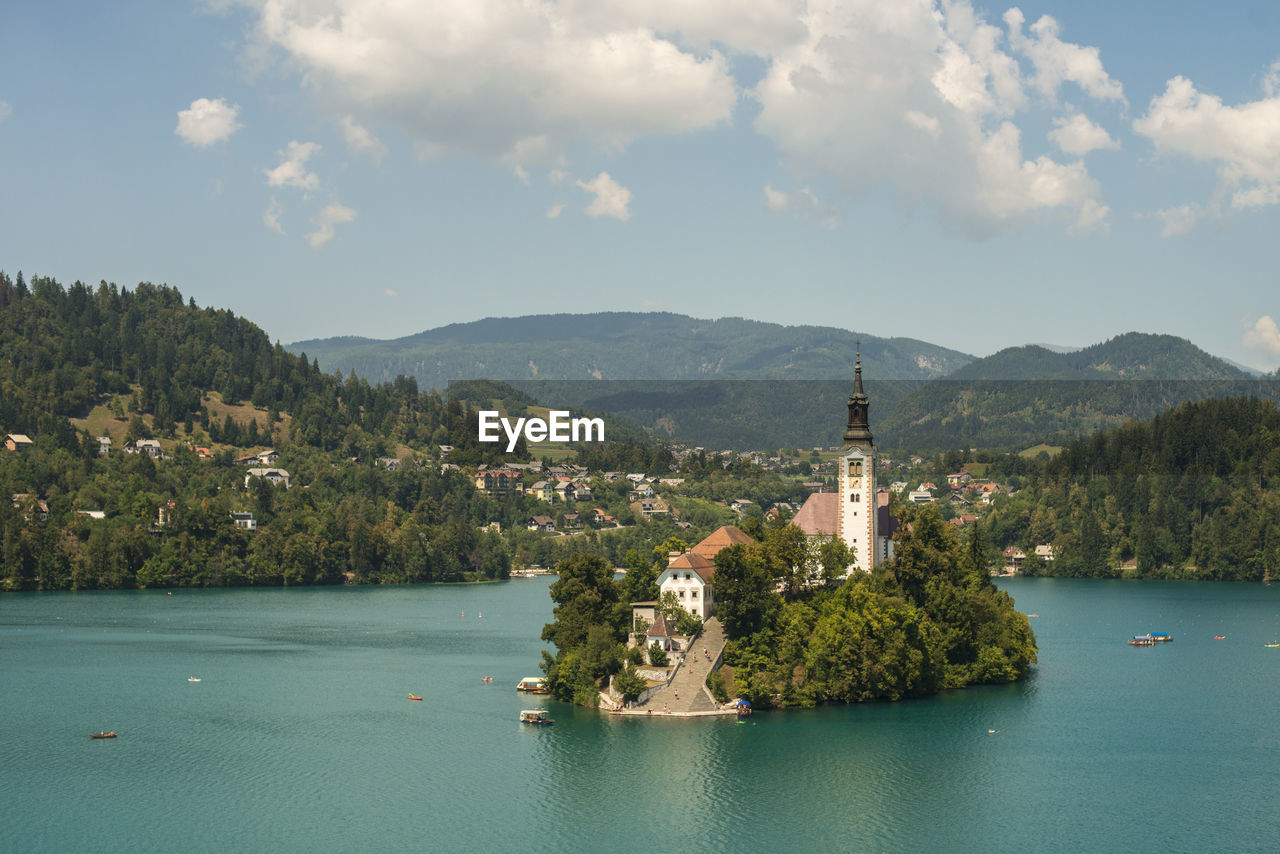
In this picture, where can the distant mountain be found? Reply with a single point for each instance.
(715, 382)
(1026, 395)
(629, 346)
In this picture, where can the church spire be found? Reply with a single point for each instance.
(858, 431)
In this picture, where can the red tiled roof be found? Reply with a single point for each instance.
(696, 562)
(818, 515)
(720, 538)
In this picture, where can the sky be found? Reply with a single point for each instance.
(973, 176)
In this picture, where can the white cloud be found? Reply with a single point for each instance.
(1180, 220)
(921, 96)
(482, 76)
(292, 171)
(1244, 141)
(1076, 135)
(803, 203)
(611, 198)
(1263, 335)
(326, 222)
(360, 140)
(1057, 62)
(207, 122)
(271, 216)
(554, 211)
(390, 293)
(5, 110)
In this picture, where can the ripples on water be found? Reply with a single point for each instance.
(301, 736)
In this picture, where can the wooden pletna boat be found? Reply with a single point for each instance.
(111, 734)
(1143, 640)
(415, 697)
(535, 716)
(532, 685)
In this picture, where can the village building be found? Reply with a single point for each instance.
(17, 441)
(690, 575)
(541, 523)
(244, 521)
(277, 477)
(498, 481)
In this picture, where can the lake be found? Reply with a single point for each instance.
(300, 735)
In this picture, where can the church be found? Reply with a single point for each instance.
(856, 512)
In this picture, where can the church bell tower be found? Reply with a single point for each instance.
(855, 479)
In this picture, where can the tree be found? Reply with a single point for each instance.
(745, 598)
(585, 595)
(629, 684)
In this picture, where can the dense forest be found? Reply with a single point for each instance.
(800, 634)
(1191, 494)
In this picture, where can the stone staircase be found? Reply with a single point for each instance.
(685, 692)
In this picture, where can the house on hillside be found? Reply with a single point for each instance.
(104, 445)
(498, 481)
(244, 521)
(541, 523)
(650, 507)
(30, 505)
(277, 477)
(17, 441)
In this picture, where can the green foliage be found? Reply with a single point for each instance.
(629, 684)
(657, 655)
(715, 684)
(929, 620)
(1192, 494)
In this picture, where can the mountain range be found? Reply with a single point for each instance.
(691, 379)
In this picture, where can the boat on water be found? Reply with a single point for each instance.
(535, 716)
(532, 685)
(1143, 640)
(1219, 637)
(1161, 637)
(415, 697)
(193, 678)
(1273, 644)
(111, 734)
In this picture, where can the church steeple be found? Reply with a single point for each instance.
(858, 431)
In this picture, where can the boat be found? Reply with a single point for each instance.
(1219, 637)
(1143, 640)
(535, 716)
(532, 685)
(1273, 644)
(193, 678)
(111, 734)
(415, 697)
(1161, 637)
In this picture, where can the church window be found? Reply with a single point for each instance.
(693, 594)
(855, 468)
(855, 496)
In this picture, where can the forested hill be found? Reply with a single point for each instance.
(1194, 493)
(1022, 396)
(367, 501)
(1133, 356)
(630, 346)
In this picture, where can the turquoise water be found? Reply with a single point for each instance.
(301, 737)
